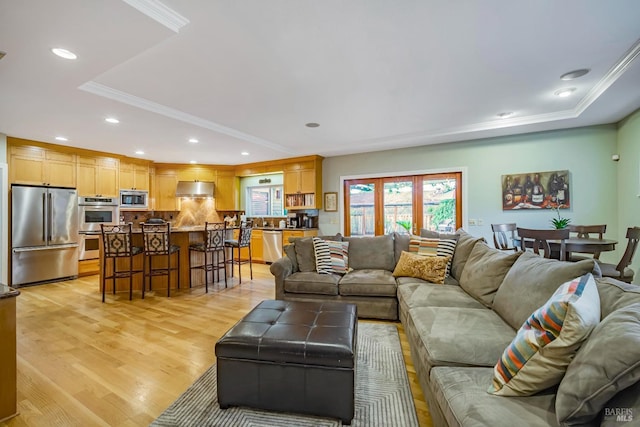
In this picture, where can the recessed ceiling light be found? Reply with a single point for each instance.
(112, 120)
(505, 114)
(64, 53)
(139, 152)
(193, 140)
(312, 125)
(193, 162)
(574, 74)
(61, 138)
(245, 153)
(563, 93)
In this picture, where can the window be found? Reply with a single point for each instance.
(265, 200)
(403, 204)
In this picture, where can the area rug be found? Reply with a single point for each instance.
(383, 396)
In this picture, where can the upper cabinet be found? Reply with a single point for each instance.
(226, 190)
(41, 166)
(303, 184)
(197, 173)
(164, 190)
(134, 176)
(98, 176)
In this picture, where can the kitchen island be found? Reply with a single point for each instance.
(8, 357)
(184, 236)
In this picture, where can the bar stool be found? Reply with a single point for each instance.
(243, 241)
(117, 244)
(157, 244)
(214, 244)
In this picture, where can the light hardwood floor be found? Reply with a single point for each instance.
(84, 363)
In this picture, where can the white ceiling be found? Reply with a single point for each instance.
(249, 74)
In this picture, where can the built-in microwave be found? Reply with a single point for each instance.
(134, 199)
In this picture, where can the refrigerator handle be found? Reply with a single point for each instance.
(44, 217)
(50, 219)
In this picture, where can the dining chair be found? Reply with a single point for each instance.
(587, 232)
(117, 244)
(503, 235)
(243, 241)
(213, 245)
(157, 244)
(539, 239)
(621, 271)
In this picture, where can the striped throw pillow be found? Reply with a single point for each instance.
(331, 256)
(538, 356)
(429, 246)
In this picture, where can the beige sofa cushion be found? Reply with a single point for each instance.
(368, 282)
(312, 283)
(485, 270)
(465, 245)
(530, 283)
(609, 361)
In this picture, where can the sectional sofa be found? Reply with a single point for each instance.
(466, 334)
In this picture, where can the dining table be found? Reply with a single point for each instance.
(589, 245)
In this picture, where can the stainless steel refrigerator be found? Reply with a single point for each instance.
(44, 237)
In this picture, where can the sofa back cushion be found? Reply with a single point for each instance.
(615, 294)
(290, 252)
(485, 270)
(400, 244)
(547, 342)
(305, 256)
(374, 253)
(465, 245)
(530, 282)
(609, 361)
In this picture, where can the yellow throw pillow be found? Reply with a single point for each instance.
(430, 268)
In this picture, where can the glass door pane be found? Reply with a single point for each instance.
(439, 207)
(398, 206)
(361, 201)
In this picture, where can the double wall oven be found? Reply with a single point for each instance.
(93, 211)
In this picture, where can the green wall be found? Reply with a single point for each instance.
(628, 184)
(585, 152)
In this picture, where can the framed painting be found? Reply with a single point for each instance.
(536, 190)
(331, 202)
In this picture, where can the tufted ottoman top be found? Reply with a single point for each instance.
(311, 333)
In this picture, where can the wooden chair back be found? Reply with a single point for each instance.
(539, 239)
(633, 237)
(586, 231)
(503, 235)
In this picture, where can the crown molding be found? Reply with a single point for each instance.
(160, 13)
(154, 107)
(614, 73)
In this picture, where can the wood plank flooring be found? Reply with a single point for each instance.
(84, 363)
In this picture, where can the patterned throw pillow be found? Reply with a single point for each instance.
(428, 246)
(538, 356)
(331, 256)
(430, 268)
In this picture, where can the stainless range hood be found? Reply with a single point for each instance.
(194, 189)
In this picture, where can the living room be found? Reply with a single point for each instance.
(580, 140)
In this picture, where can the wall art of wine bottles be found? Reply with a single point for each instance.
(536, 190)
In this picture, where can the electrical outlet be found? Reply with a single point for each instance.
(480, 221)
(472, 222)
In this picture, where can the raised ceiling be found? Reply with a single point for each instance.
(247, 75)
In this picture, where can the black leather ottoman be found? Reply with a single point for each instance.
(291, 357)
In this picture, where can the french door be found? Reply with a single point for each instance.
(405, 204)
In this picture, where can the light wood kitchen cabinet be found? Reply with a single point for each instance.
(226, 190)
(98, 176)
(296, 233)
(134, 176)
(197, 173)
(257, 253)
(40, 166)
(303, 184)
(165, 187)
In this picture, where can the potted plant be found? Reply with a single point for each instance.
(559, 223)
